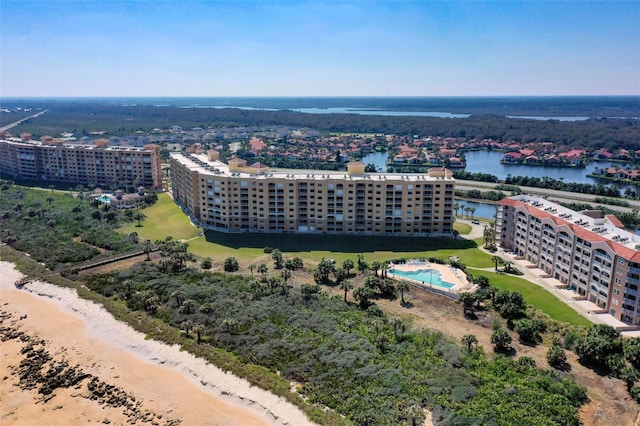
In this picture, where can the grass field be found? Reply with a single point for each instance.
(537, 296)
(165, 218)
(462, 228)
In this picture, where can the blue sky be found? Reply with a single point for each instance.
(326, 48)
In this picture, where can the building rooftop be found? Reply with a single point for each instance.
(66, 144)
(587, 227)
(201, 164)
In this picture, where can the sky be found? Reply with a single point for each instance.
(325, 48)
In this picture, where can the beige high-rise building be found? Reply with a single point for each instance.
(588, 252)
(237, 197)
(83, 164)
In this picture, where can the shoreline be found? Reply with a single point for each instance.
(167, 382)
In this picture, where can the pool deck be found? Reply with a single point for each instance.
(449, 274)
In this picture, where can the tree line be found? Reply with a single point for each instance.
(117, 120)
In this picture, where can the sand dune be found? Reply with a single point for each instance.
(164, 385)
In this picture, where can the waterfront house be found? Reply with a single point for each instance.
(512, 157)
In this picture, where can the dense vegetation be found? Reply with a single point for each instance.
(59, 229)
(84, 117)
(373, 368)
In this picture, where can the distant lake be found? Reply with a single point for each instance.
(544, 117)
(365, 111)
(342, 110)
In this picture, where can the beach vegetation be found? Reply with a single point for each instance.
(364, 364)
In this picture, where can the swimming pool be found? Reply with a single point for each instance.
(427, 276)
(104, 198)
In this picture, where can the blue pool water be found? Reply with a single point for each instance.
(427, 276)
(104, 199)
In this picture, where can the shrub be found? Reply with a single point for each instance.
(529, 330)
(556, 357)
(231, 264)
(206, 263)
(501, 339)
(635, 393)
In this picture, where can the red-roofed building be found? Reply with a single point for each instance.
(593, 256)
(512, 157)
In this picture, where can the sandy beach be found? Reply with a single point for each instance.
(116, 376)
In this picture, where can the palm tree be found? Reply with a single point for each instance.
(486, 235)
(147, 249)
(456, 207)
(470, 340)
(198, 328)
(262, 270)
(230, 324)
(347, 265)
(402, 286)
(466, 210)
(362, 295)
(252, 268)
(381, 341)
(399, 327)
(467, 300)
(507, 266)
(346, 285)
(186, 326)
(501, 340)
(496, 260)
(138, 216)
(179, 297)
(473, 211)
(285, 275)
(375, 265)
(384, 270)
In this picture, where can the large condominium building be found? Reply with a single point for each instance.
(593, 255)
(97, 164)
(235, 197)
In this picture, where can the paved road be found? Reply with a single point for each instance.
(552, 194)
(14, 124)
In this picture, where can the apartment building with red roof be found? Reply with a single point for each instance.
(588, 252)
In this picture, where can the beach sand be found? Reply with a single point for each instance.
(161, 384)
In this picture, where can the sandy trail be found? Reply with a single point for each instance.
(170, 385)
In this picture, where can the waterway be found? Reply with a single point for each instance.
(482, 210)
(489, 162)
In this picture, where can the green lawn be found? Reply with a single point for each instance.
(537, 296)
(164, 218)
(462, 228)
